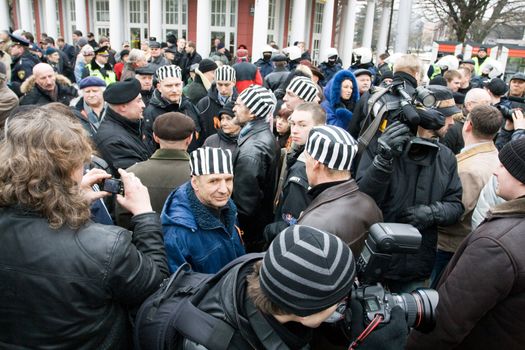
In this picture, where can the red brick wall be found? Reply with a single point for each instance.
(192, 20)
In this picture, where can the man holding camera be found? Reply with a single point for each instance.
(412, 180)
(482, 289)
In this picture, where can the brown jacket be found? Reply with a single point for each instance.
(344, 211)
(475, 167)
(482, 291)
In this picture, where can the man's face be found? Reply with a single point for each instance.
(134, 108)
(171, 89)
(517, 88)
(216, 42)
(75, 37)
(144, 46)
(54, 57)
(225, 88)
(155, 52)
(169, 56)
(454, 84)
(16, 50)
(449, 121)
(291, 100)
(146, 81)
(315, 320)
(181, 44)
(46, 79)
(242, 113)
(189, 49)
(508, 186)
(364, 82)
(213, 190)
(301, 123)
(102, 59)
(60, 44)
(482, 54)
(93, 95)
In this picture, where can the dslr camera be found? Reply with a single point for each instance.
(507, 112)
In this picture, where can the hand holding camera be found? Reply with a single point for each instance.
(393, 140)
(89, 179)
(136, 198)
(420, 216)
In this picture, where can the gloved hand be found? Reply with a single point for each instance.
(388, 336)
(392, 142)
(272, 230)
(420, 216)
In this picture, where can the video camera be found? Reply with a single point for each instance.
(385, 239)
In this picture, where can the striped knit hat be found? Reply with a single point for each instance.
(259, 100)
(225, 73)
(306, 271)
(208, 161)
(304, 88)
(332, 146)
(171, 71)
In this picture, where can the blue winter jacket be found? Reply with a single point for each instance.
(193, 234)
(336, 112)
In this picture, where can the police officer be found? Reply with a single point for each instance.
(23, 62)
(99, 67)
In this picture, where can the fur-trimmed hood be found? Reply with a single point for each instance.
(29, 84)
(332, 90)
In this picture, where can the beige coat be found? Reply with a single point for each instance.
(475, 166)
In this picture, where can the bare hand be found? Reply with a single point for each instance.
(88, 180)
(136, 197)
(518, 119)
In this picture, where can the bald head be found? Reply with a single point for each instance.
(44, 76)
(476, 97)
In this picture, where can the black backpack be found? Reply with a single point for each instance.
(171, 313)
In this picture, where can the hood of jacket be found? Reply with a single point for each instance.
(30, 83)
(157, 100)
(332, 90)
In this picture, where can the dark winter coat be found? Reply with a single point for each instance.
(246, 74)
(265, 66)
(208, 111)
(276, 78)
(157, 62)
(34, 95)
(121, 142)
(72, 289)
(196, 90)
(408, 185)
(336, 112)
(223, 141)
(482, 291)
(329, 71)
(190, 60)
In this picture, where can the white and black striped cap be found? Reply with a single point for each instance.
(208, 161)
(304, 88)
(170, 71)
(306, 270)
(259, 100)
(225, 73)
(332, 146)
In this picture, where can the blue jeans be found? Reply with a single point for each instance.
(442, 259)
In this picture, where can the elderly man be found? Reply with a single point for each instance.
(91, 105)
(255, 163)
(100, 67)
(199, 217)
(120, 137)
(45, 86)
(145, 76)
(168, 98)
(156, 59)
(221, 92)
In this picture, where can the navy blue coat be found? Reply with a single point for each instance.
(336, 112)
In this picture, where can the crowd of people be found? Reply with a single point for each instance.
(120, 167)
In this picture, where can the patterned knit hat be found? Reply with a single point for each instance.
(512, 156)
(259, 100)
(304, 88)
(306, 270)
(225, 73)
(332, 146)
(208, 161)
(170, 71)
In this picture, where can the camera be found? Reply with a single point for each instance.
(385, 239)
(506, 112)
(113, 186)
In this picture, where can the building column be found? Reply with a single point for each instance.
(326, 30)
(260, 28)
(203, 28)
(298, 21)
(25, 15)
(4, 15)
(155, 19)
(403, 26)
(80, 18)
(50, 18)
(383, 30)
(369, 24)
(116, 27)
(349, 31)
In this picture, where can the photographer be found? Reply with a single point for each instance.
(66, 281)
(407, 191)
(513, 129)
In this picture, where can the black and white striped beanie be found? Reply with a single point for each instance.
(259, 100)
(304, 88)
(332, 146)
(170, 71)
(306, 271)
(225, 73)
(208, 161)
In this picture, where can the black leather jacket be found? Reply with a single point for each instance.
(72, 289)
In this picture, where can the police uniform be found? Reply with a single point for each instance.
(105, 73)
(22, 66)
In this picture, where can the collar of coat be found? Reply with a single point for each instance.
(30, 82)
(132, 125)
(170, 154)
(512, 208)
(252, 127)
(484, 147)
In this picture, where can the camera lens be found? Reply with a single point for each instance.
(420, 308)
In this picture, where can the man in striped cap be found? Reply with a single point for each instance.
(221, 92)
(255, 163)
(199, 217)
(337, 204)
(168, 97)
(300, 90)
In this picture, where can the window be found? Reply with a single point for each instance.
(316, 36)
(101, 17)
(224, 22)
(138, 21)
(176, 17)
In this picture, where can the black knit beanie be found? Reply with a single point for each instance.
(306, 271)
(512, 156)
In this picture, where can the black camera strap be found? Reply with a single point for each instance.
(366, 136)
